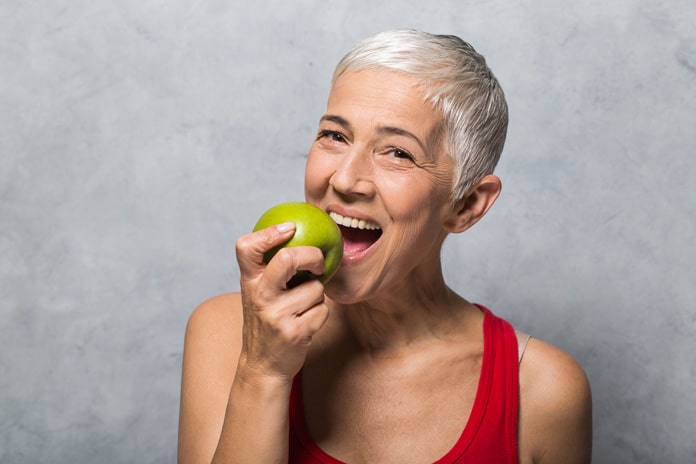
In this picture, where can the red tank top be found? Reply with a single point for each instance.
(490, 434)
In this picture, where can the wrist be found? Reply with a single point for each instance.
(253, 376)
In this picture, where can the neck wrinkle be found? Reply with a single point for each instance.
(405, 317)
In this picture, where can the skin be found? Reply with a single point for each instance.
(386, 344)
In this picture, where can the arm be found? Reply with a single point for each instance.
(555, 424)
(241, 353)
(212, 347)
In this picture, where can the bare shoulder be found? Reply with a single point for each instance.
(547, 370)
(213, 340)
(555, 407)
(211, 350)
(216, 316)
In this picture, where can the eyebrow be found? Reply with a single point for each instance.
(338, 120)
(384, 130)
(388, 130)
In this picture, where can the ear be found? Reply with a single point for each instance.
(474, 205)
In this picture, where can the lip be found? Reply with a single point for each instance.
(351, 213)
(354, 258)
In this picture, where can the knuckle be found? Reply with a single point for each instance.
(317, 254)
(242, 244)
(264, 297)
(317, 290)
(259, 241)
(287, 257)
(275, 322)
(286, 330)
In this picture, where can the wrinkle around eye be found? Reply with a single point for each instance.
(407, 158)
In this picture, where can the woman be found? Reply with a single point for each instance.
(385, 364)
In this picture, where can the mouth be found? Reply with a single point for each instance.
(358, 234)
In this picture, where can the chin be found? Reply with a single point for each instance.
(339, 290)
(339, 293)
(344, 290)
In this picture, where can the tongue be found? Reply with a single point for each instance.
(356, 240)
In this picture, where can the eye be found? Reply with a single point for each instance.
(400, 154)
(331, 136)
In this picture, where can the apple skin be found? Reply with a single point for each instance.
(313, 227)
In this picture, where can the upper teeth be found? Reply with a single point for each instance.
(353, 222)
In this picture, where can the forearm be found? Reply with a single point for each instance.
(256, 423)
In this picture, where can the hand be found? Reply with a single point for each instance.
(279, 322)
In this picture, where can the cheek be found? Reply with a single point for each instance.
(413, 198)
(317, 173)
(419, 205)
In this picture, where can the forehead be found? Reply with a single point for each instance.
(378, 97)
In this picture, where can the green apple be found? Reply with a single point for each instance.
(313, 227)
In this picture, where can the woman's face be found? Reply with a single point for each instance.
(378, 162)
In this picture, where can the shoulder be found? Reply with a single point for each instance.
(216, 315)
(213, 339)
(555, 406)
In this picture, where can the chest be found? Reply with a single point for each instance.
(403, 413)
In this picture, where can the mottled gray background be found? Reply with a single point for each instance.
(138, 139)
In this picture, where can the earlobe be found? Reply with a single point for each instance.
(474, 205)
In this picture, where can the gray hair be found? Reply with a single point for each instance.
(457, 82)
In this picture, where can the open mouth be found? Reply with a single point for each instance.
(358, 234)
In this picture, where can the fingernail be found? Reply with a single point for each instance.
(286, 226)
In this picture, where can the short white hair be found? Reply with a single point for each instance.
(457, 82)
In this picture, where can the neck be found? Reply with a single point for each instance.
(407, 316)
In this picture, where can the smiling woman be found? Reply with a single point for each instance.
(373, 116)
(384, 362)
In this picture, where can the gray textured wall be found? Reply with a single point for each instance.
(138, 139)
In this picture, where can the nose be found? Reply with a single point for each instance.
(354, 174)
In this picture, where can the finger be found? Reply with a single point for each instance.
(289, 261)
(309, 308)
(315, 318)
(297, 315)
(250, 248)
(270, 292)
(305, 297)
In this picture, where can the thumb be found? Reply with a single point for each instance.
(251, 248)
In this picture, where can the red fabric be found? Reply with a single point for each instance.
(489, 436)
